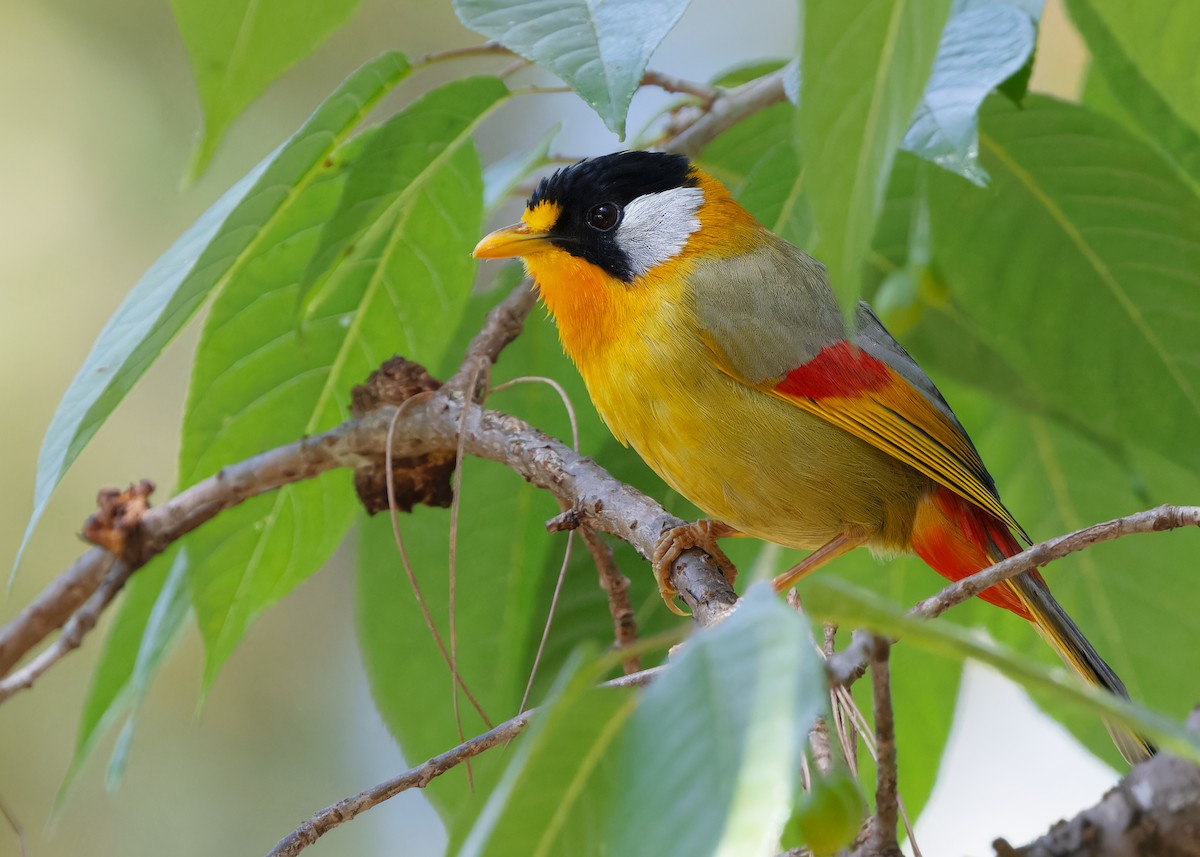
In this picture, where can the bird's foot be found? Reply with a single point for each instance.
(701, 534)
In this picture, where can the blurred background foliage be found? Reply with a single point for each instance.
(102, 122)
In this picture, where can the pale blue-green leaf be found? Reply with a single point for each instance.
(1161, 43)
(237, 47)
(501, 178)
(863, 69)
(410, 146)
(1117, 88)
(162, 629)
(718, 738)
(556, 793)
(260, 381)
(836, 601)
(108, 694)
(205, 257)
(600, 49)
(982, 45)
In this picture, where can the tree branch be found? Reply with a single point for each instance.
(616, 586)
(1154, 809)
(432, 425)
(883, 824)
(323, 821)
(53, 606)
(83, 621)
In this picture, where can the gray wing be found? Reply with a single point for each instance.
(767, 311)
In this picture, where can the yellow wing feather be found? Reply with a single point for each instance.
(901, 422)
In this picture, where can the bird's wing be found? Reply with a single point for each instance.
(868, 385)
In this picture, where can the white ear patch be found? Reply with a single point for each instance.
(656, 226)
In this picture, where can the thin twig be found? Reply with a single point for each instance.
(616, 586)
(848, 665)
(320, 823)
(53, 606)
(430, 626)
(566, 561)
(1150, 521)
(72, 634)
(883, 826)
(452, 575)
(419, 777)
(726, 110)
(558, 584)
(504, 324)
(670, 83)
(486, 49)
(859, 722)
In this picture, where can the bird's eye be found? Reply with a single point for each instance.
(604, 216)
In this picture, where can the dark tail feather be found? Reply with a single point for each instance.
(1077, 653)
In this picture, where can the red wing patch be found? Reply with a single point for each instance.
(840, 370)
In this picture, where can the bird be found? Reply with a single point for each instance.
(719, 352)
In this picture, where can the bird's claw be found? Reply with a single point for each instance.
(701, 534)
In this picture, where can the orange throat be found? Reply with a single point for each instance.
(589, 306)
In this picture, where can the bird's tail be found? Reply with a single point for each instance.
(956, 539)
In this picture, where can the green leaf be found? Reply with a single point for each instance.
(556, 794)
(206, 256)
(600, 49)
(863, 69)
(828, 817)
(237, 47)
(259, 381)
(760, 162)
(834, 600)
(984, 43)
(718, 738)
(1161, 44)
(497, 585)
(409, 148)
(1129, 98)
(126, 651)
(746, 72)
(1079, 248)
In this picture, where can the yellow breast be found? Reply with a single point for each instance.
(763, 466)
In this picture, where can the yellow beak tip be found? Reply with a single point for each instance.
(508, 242)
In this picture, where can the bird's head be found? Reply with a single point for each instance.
(625, 213)
(607, 237)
